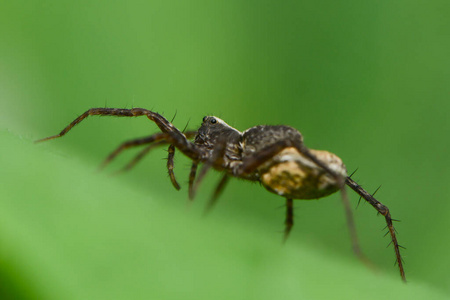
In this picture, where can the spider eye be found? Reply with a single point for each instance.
(204, 119)
(213, 121)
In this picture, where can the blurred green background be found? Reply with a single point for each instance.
(367, 80)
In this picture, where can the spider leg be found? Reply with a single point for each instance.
(289, 222)
(140, 155)
(192, 179)
(157, 138)
(170, 161)
(174, 136)
(160, 140)
(143, 152)
(170, 167)
(382, 209)
(220, 186)
(133, 143)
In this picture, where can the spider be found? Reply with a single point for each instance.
(275, 156)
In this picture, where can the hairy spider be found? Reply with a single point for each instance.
(275, 156)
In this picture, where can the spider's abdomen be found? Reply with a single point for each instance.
(291, 175)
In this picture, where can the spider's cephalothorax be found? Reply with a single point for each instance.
(275, 156)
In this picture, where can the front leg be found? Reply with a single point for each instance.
(175, 136)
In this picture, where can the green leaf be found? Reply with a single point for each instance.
(69, 233)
